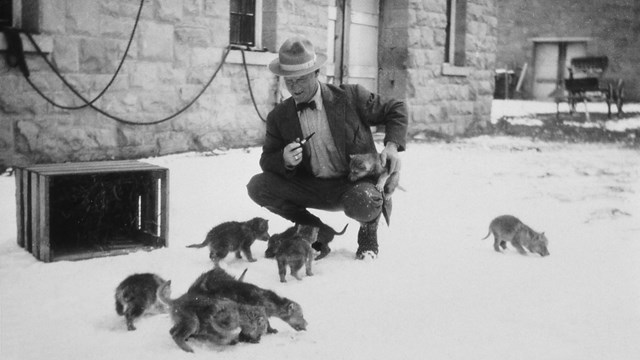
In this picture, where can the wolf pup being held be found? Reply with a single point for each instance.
(370, 165)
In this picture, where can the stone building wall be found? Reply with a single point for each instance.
(613, 27)
(413, 36)
(177, 47)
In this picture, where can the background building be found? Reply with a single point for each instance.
(546, 34)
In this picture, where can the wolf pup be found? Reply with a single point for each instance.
(370, 165)
(209, 318)
(325, 236)
(136, 295)
(274, 241)
(296, 251)
(253, 319)
(507, 228)
(209, 284)
(212, 276)
(321, 244)
(254, 323)
(234, 236)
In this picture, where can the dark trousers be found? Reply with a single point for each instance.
(290, 197)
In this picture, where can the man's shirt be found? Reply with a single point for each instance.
(326, 162)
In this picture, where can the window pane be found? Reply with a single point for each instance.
(456, 31)
(242, 22)
(6, 12)
(459, 57)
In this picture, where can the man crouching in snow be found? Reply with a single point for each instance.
(309, 137)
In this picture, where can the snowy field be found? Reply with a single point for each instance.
(437, 291)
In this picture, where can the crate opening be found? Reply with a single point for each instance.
(102, 214)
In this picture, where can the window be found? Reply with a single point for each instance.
(6, 13)
(456, 32)
(246, 23)
(20, 14)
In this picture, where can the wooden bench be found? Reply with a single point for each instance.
(75, 211)
(585, 85)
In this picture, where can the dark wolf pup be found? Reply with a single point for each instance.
(234, 236)
(136, 295)
(296, 252)
(210, 284)
(325, 236)
(205, 317)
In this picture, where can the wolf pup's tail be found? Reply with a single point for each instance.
(241, 278)
(341, 232)
(489, 233)
(203, 244)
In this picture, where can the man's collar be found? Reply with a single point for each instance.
(317, 97)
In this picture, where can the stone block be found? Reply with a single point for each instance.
(25, 103)
(99, 56)
(171, 143)
(10, 83)
(116, 27)
(210, 140)
(193, 35)
(169, 10)
(144, 76)
(28, 132)
(193, 7)
(81, 17)
(53, 17)
(156, 41)
(218, 9)
(6, 135)
(398, 19)
(66, 54)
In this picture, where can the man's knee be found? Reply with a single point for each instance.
(256, 187)
(363, 202)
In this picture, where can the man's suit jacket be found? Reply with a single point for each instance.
(351, 111)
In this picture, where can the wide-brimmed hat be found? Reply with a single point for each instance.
(297, 57)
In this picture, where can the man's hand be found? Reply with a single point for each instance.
(390, 154)
(292, 154)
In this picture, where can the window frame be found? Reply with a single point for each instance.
(25, 15)
(454, 63)
(257, 27)
(7, 9)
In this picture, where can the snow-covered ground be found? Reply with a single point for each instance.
(436, 292)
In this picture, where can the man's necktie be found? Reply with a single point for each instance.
(301, 106)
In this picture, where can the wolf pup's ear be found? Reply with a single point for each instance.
(291, 308)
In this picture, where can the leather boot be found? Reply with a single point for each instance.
(368, 240)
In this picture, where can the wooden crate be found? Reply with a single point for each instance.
(75, 211)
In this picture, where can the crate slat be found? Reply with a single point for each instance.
(44, 248)
(92, 167)
(19, 208)
(164, 206)
(35, 216)
(26, 203)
